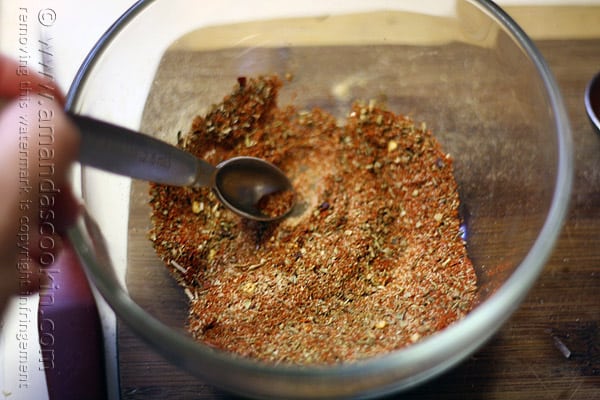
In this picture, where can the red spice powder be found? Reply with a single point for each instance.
(276, 204)
(371, 259)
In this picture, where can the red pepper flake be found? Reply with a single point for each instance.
(374, 262)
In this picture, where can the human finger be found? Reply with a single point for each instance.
(19, 81)
(38, 143)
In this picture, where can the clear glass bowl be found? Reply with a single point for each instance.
(464, 67)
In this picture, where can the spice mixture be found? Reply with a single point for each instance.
(276, 204)
(370, 260)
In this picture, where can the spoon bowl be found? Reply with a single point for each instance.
(592, 102)
(242, 183)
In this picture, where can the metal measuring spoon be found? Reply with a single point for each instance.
(248, 186)
(592, 101)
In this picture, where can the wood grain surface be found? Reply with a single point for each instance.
(549, 349)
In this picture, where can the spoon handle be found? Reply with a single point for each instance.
(126, 152)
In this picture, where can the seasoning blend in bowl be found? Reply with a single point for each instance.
(372, 261)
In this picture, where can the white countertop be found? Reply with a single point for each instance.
(73, 28)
